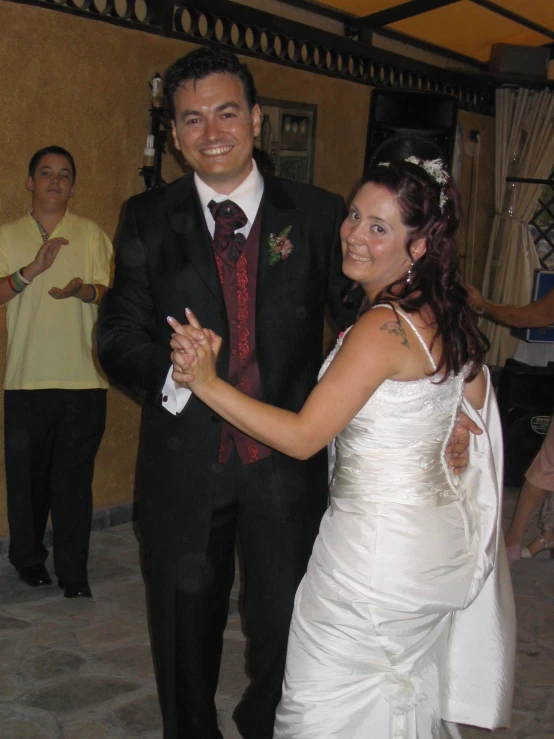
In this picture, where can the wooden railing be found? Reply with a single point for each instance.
(265, 36)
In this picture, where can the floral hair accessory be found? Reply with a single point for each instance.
(434, 168)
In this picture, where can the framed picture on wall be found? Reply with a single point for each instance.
(287, 139)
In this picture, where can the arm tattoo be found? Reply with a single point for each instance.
(397, 329)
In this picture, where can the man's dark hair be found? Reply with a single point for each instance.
(202, 63)
(60, 151)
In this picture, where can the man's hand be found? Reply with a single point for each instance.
(69, 291)
(182, 357)
(476, 300)
(184, 341)
(458, 444)
(45, 257)
(192, 345)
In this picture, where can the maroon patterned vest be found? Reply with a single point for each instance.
(239, 292)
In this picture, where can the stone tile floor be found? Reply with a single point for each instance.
(83, 669)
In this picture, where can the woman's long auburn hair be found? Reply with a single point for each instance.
(435, 278)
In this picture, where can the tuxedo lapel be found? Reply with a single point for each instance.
(187, 221)
(278, 213)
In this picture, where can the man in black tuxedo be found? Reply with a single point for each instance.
(257, 258)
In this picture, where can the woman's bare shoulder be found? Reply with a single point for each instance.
(379, 331)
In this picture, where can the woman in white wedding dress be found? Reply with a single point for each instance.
(405, 544)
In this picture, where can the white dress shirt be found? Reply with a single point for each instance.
(248, 196)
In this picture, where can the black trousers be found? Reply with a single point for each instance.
(189, 598)
(51, 438)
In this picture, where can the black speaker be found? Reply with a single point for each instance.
(525, 401)
(404, 124)
(523, 438)
(528, 62)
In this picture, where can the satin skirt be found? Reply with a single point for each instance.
(371, 620)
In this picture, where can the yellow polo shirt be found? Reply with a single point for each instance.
(50, 342)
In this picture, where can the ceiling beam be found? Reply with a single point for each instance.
(399, 13)
(368, 37)
(499, 10)
(312, 6)
(378, 21)
(416, 7)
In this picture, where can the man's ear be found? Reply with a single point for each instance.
(29, 184)
(174, 133)
(256, 119)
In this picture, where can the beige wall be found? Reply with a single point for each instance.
(477, 201)
(83, 85)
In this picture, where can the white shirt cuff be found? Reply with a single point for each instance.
(174, 399)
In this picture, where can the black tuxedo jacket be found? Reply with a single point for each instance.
(164, 263)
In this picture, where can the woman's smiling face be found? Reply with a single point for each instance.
(374, 240)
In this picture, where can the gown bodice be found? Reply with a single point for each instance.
(397, 441)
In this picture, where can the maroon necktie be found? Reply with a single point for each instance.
(228, 217)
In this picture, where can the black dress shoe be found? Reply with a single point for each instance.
(35, 575)
(76, 590)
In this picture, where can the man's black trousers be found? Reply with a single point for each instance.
(189, 596)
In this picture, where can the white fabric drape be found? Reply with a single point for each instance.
(524, 148)
(479, 680)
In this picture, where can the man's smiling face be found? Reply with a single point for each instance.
(215, 129)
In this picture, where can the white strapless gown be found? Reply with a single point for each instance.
(396, 555)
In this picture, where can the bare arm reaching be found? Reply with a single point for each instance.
(332, 404)
(538, 314)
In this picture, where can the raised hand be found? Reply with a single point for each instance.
(195, 351)
(69, 291)
(476, 300)
(45, 257)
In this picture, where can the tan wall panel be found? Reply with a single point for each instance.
(83, 85)
(477, 221)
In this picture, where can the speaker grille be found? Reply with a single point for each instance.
(404, 124)
(385, 148)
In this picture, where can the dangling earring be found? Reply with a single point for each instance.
(409, 275)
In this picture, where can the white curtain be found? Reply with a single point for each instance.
(524, 148)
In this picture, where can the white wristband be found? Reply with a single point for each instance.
(24, 280)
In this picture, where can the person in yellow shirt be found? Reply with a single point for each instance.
(54, 270)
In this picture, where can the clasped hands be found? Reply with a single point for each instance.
(194, 354)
